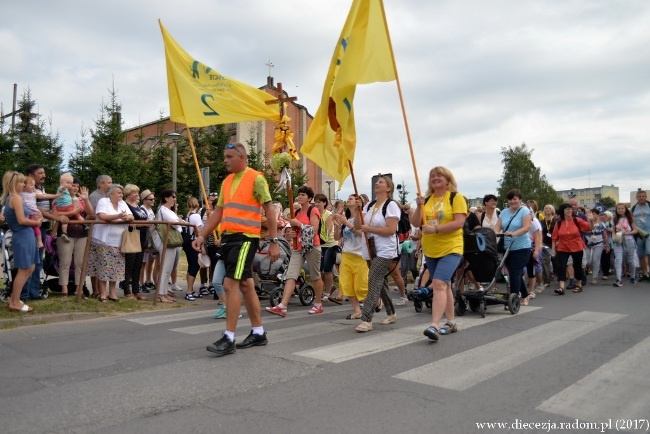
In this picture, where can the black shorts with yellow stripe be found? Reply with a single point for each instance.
(238, 252)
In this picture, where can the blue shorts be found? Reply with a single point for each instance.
(443, 268)
(642, 247)
(328, 258)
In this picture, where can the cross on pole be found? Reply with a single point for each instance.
(281, 99)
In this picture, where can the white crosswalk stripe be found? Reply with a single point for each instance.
(616, 390)
(500, 356)
(371, 344)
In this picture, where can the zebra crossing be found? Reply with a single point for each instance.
(626, 376)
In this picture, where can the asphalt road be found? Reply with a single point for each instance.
(582, 360)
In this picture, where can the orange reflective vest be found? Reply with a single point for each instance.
(242, 213)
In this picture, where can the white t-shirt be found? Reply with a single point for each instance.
(490, 223)
(535, 226)
(109, 234)
(195, 219)
(351, 242)
(386, 246)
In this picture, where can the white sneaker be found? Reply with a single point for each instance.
(401, 301)
(175, 287)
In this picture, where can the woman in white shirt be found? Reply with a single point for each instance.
(105, 261)
(167, 201)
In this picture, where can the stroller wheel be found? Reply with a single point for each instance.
(306, 295)
(275, 296)
(417, 304)
(513, 303)
(461, 307)
(482, 306)
(474, 304)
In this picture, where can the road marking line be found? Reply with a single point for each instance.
(617, 389)
(466, 369)
(372, 344)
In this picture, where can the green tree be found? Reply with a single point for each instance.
(607, 202)
(520, 172)
(34, 142)
(110, 154)
(402, 193)
(79, 161)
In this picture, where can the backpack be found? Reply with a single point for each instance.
(185, 232)
(404, 223)
(320, 223)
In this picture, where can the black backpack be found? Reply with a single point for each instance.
(404, 223)
(185, 232)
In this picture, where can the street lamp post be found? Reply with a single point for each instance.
(174, 136)
(329, 189)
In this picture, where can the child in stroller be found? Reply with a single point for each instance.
(271, 275)
(8, 271)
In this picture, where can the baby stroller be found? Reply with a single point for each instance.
(8, 271)
(422, 292)
(272, 275)
(7, 276)
(51, 270)
(482, 259)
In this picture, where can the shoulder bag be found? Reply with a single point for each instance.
(501, 244)
(130, 240)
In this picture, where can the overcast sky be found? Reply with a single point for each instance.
(569, 78)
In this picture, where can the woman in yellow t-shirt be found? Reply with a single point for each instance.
(442, 243)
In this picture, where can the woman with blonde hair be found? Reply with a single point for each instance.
(380, 249)
(192, 255)
(24, 243)
(444, 211)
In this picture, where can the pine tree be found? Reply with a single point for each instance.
(35, 143)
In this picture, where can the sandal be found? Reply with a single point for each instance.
(24, 309)
(115, 300)
(432, 332)
(337, 300)
(559, 291)
(353, 316)
(448, 328)
(164, 299)
(578, 289)
(364, 327)
(101, 300)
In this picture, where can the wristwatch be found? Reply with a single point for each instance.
(274, 240)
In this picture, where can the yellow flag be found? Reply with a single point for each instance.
(199, 96)
(362, 55)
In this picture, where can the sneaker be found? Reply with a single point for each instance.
(221, 313)
(150, 285)
(633, 281)
(401, 301)
(540, 289)
(253, 340)
(203, 291)
(222, 347)
(448, 328)
(605, 278)
(571, 285)
(432, 333)
(190, 296)
(325, 298)
(65, 237)
(618, 283)
(277, 310)
(531, 295)
(144, 289)
(315, 310)
(175, 287)
(389, 319)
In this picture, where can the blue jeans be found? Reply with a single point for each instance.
(516, 261)
(218, 276)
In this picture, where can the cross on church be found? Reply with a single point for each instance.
(281, 99)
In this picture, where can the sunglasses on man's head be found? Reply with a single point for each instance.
(232, 146)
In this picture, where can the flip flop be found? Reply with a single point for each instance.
(23, 309)
(352, 316)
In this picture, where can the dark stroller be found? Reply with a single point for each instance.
(422, 292)
(8, 271)
(272, 275)
(482, 259)
(51, 270)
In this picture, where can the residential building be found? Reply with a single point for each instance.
(590, 196)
